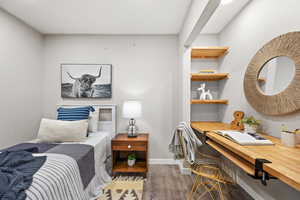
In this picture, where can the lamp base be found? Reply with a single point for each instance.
(132, 129)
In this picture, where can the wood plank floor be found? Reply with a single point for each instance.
(165, 182)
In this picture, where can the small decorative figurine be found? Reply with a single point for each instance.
(206, 95)
(201, 90)
(237, 124)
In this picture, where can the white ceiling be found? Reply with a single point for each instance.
(100, 16)
(114, 16)
(223, 15)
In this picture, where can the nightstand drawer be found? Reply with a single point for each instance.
(129, 146)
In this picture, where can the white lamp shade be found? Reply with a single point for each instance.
(132, 109)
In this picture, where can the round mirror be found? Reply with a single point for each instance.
(276, 75)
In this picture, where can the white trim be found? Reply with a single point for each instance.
(183, 170)
(158, 161)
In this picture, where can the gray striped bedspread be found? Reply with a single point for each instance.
(82, 153)
(60, 178)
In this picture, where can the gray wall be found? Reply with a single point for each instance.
(20, 69)
(144, 67)
(257, 24)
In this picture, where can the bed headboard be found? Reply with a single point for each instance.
(107, 119)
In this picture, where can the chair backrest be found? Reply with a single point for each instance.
(201, 157)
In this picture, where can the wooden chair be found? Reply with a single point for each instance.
(207, 173)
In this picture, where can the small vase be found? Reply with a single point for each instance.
(250, 129)
(288, 139)
(131, 163)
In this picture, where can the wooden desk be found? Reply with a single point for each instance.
(285, 161)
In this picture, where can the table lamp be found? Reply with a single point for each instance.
(131, 111)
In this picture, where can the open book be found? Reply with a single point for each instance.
(244, 138)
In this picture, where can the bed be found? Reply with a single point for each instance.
(75, 170)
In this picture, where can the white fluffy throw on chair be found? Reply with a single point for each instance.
(189, 135)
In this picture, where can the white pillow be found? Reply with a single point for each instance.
(62, 131)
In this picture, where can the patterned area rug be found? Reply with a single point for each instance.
(124, 188)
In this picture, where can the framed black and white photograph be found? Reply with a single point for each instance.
(86, 81)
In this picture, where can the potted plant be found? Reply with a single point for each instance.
(131, 159)
(251, 124)
(288, 138)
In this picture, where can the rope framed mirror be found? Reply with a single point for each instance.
(262, 83)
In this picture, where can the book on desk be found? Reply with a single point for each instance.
(244, 138)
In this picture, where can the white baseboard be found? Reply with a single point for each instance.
(183, 170)
(158, 161)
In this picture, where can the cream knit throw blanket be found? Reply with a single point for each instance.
(191, 141)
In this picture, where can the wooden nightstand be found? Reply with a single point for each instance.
(122, 146)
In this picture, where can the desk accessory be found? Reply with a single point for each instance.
(251, 124)
(237, 124)
(244, 138)
(131, 111)
(288, 138)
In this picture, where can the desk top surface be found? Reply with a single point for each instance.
(285, 160)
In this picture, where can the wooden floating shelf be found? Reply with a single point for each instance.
(208, 77)
(209, 52)
(215, 101)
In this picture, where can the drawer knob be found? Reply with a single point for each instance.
(129, 146)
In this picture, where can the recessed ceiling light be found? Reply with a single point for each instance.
(225, 2)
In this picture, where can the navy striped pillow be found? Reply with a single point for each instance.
(73, 114)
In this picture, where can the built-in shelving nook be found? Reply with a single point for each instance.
(205, 69)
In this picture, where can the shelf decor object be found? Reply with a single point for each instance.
(209, 52)
(201, 90)
(286, 101)
(214, 101)
(207, 71)
(208, 77)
